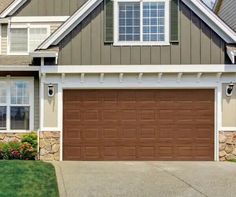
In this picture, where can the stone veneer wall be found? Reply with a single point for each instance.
(227, 145)
(9, 137)
(49, 146)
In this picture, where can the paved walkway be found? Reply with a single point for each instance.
(146, 179)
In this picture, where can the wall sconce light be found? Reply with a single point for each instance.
(51, 90)
(229, 89)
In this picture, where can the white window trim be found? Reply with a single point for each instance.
(28, 26)
(8, 80)
(138, 43)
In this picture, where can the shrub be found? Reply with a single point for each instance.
(26, 149)
(30, 138)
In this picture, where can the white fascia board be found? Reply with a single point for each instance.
(19, 68)
(12, 8)
(33, 19)
(70, 24)
(212, 20)
(139, 69)
(44, 54)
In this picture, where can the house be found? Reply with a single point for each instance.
(119, 80)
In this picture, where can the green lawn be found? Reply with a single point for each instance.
(27, 179)
(233, 160)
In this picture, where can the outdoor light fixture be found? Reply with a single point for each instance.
(51, 90)
(229, 89)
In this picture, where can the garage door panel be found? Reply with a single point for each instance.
(138, 125)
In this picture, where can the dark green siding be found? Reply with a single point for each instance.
(198, 44)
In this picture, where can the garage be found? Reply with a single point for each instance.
(137, 125)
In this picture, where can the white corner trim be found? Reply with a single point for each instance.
(139, 69)
(12, 8)
(211, 19)
(70, 24)
(37, 19)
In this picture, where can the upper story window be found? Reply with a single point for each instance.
(143, 22)
(23, 40)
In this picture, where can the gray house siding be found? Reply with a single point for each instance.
(227, 13)
(198, 45)
(50, 7)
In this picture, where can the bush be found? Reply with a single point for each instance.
(30, 138)
(26, 149)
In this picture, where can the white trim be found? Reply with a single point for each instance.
(211, 19)
(141, 42)
(9, 80)
(228, 129)
(12, 8)
(70, 24)
(38, 19)
(140, 69)
(19, 68)
(27, 26)
(44, 54)
(232, 54)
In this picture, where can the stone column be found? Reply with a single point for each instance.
(227, 146)
(49, 145)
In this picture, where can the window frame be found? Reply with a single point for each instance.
(8, 81)
(141, 42)
(23, 26)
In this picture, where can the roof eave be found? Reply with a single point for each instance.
(12, 8)
(212, 20)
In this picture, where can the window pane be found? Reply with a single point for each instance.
(153, 21)
(20, 92)
(36, 37)
(18, 40)
(3, 117)
(3, 92)
(129, 22)
(20, 118)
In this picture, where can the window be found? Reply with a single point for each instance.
(141, 22)
(16, 98)
(26, 39)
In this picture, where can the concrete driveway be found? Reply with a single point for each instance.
(146, 179)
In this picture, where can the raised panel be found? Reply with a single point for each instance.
(138, 125)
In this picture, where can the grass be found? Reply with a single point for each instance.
(27, 179)
(232, 160)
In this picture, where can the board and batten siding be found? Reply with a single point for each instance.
(50, 7)
(198, 44)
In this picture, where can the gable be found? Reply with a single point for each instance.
(49, 7)
(198, 44)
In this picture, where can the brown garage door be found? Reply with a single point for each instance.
(138, 125)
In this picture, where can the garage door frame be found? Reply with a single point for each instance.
(217, 107)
